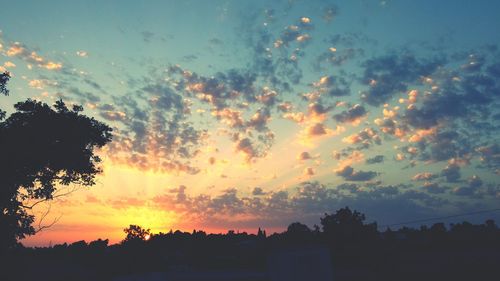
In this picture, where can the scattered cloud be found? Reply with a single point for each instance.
(376, 159)
(348, 173)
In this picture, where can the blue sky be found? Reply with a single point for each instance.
(240, 114)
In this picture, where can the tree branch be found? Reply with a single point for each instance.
(42, 218)
(30, 206)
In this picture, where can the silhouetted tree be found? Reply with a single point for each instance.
(261, 234)
(42, 148)
(468, 252)
(346, 226)
(4, 78)
(99, 244)
(298, 227)
(136, 233)
(298, 233)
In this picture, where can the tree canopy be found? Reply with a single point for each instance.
(43, 147)
(136, 233)
(347, 226)
(4, 78)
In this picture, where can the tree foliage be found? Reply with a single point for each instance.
(462, 251)
(346, 226)
(136, 233)
(4, 78)
(41, 148)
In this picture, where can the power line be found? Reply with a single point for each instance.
(441, 218)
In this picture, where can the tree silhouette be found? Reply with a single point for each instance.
(4, 78)
(261, 233)
(468, 252)
(136, 233)
(298, 228)
(346, 226)
(43, 148)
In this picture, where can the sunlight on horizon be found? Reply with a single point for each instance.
(247, 114)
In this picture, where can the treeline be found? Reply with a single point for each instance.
(457, 251)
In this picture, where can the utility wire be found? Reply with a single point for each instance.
(440, 218)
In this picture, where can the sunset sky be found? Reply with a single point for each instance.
(246, 114)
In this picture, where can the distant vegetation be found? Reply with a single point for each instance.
(426, 253)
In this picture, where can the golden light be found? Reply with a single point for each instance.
(147, 217)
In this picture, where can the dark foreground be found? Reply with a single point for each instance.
(344, 248)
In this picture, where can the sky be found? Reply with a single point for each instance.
(235, 115)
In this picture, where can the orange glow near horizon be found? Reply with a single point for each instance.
(123, 196)
(231, 122)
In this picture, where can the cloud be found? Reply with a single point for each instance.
(52, 65)
(237, 102)
(317, 129)
(276, 58)
(476, 189)
(348, 159)
(147, 36)
(475, 181)
(424, 176)
(344, 49)
(92, 199)
(82, 54)
(309, 171)
(220, 89)
(87, 97)
(36, 84)
(305, 202)
(304, 156)
(364, 139)
(336, 57)
(113, 115)
(317, 112)
(390, 74)
(16, 49)
(391, 127)
(215, 41)
(21, 51)
(447, 114)
(259, 120)
(330, 86)
(446, 108)
(267, 97)
(246, 147)
(295, 33)
(9, 64)
(297, 117)
(376, 159)
(230, 117)
(257, 191)
(126, 202)
(490, 156)
(155, 133)
(348, 173)
(353, 115)
(434, 188)
(451, 172)
(212, 160)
